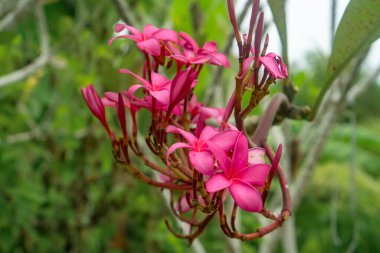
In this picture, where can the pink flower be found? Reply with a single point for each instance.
(241, 179)
(273, 63)
(147, 41)
(201, 157)
(96, 106)
(158, 88)
(192, 54)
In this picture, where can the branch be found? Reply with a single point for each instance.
(40, 61)
(10, 18)
(227, 49)
(124, 11)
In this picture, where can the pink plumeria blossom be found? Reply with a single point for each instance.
(158, 88)
(96, 106)
(192, 54)
(241, 179)
(274, 65)
(200, 156)
(147, 41)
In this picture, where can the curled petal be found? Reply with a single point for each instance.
(174, 147)
(142, 80)
(151, 46)
(217, 182)
(255, 175)
(188, 136)
(188, 42)
(202, 161)
(159, 81)
(246, 196)
(273, 63)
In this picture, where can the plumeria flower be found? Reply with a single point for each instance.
(238, 176)
(274, 65)
(96, 106)
(157, 88)
(192, 54)
(147, 41)
(201, 157)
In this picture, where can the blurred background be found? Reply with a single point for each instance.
(61, 191)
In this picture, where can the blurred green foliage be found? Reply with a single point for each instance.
(61, 191)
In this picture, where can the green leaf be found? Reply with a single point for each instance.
(278, 11)
(358, 29)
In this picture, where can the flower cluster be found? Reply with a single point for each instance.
(202, 156)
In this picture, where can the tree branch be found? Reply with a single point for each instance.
(10, 18)
(40, 61)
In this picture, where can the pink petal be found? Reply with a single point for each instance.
(191, 44)
(255, 175)
(247, 63)
(207, 133)
(202, 161)
(159, 80)
(133, 88)
(246, 196)
(201, 59)
(149, 30)
(179, 58)
(220, 60)
(256, 155)
(134, 31)
(181, 85)
(273, 63)
(217, 182)
(142, 80)
(126, 36)
(220, 156)
(174, 147)
(166, 34)
(240, 155)
(210, 46)
(162, 96)
(226, 139)
(188, 136)
(151, 46)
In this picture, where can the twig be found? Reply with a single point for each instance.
(10, 18)
(124, 12)
(40, 61)
(227, 49)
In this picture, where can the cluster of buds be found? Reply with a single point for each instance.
(194, 151)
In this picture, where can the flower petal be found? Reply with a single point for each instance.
(217, 182)
(159, 81)
(174, 147)
(151, 46)
(240, 154)
(246, 196)
(202, 161)
(273, 63)
(226, 139)
(221, 157)
(255, 175)
(142, 80)
(166, 34)
(188, 136)
(207, 133)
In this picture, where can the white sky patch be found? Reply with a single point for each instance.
(308, 26)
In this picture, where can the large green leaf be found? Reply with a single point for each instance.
(278, 10)
(358, 29)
